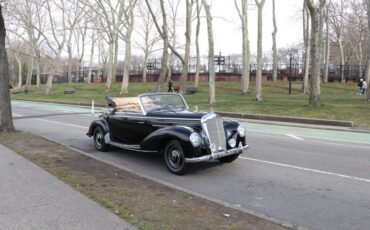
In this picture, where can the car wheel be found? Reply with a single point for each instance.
(174, 158)
(229, 159)
(99, 141)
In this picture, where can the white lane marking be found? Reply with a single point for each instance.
(61, 123)
(294, 137)
(307, 169)
(338, 144)
(17, 115)
(314, 140)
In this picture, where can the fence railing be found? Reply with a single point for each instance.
(350, 73)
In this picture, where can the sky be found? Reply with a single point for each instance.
(227, 27)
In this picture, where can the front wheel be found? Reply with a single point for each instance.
(229, 159)
(99, 141)
(174, 158)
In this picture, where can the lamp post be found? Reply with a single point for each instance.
(290, 73)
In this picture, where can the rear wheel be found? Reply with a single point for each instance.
(99, 141)
(174, 158)
(229, 159)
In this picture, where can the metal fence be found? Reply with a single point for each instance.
(350, 72)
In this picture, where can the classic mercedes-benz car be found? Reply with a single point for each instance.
(162, 123)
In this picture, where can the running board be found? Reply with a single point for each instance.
(123, 146)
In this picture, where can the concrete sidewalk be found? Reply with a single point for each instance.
(31, 198)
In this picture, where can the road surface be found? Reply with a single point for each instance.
(314, 178)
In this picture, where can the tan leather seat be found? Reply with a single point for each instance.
(127, 104)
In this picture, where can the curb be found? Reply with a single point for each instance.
(309, 121)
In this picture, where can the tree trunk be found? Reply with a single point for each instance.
(127, 64)
(6, 119)
(145, 70)
(327, 47)
(69, 74)
(164, 64)
(316, 35)
(108, 84)
(307, 44)
(19, 71)
(197, 67)
(91, 57)
(30, 69)
(368, 53)
(274, 55)
(185, 69)
(211, 56)
(342, 61)
(243, 14)
(38, 70)
(258, 96)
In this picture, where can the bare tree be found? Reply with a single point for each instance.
(316, 14)
(164, 35)
(148, 37)
(197, 67)
(336, 17)
(28, 17)
(6, 120)
(368, 54)
(356, 30)
(243, 14)
(327, 45)
(274, 53)
(307, 46)
(109, 20)
(93, 39)
(59, 39)
(211, 56)
(185, 68)
(129, 18)
(258, 96)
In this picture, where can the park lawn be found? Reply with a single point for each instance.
(338, 101)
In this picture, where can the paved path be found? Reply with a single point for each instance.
(31, 198)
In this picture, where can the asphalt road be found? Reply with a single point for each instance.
(309, 177)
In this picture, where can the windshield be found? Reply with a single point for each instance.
(163, 102)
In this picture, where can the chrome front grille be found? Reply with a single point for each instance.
(214, 128)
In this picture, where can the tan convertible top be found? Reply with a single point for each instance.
(127, 104)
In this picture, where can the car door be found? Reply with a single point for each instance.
(129, 128)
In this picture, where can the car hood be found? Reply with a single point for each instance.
(182, 114)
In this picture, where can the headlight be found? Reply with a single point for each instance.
(195, 139)
(213, 148)
(232, 142)
(241, 130)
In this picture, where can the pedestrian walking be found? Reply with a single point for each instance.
(364, 88)
(170, 84)
(360, 86)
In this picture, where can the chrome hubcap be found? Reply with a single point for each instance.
(99, 140)
(175, 158)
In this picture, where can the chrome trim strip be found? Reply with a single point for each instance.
(123, 146)
(217, 155)
(130, 147)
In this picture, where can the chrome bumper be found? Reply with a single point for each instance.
(218, 155)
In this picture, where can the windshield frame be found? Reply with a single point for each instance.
(159, 94)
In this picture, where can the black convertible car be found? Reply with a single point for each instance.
(162, 123)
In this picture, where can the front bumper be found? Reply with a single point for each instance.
(218, 155)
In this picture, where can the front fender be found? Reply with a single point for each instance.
(157, 140)
(102, 122)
